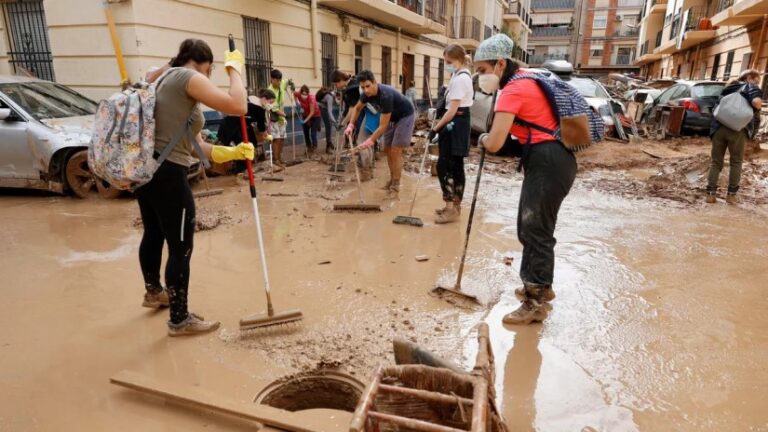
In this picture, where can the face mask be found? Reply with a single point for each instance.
(304, 96)
(488, 83)
(268, 107)
(451, 69)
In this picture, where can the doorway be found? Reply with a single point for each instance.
(408, 65)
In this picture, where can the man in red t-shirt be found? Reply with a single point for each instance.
(548, 166)
(311, 121)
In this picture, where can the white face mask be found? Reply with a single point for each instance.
(451, 69)
(488, 83)
(268, 107)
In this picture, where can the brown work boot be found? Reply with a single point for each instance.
(529, 311)
(450, 214)
(711, 198)
(156, 300)
(193, 325)
(732, 199)
(542, 294)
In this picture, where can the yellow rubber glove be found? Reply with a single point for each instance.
(242, 151)
(235, 60)
(268, 138)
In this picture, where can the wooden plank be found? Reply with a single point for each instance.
(197, 398)
(412, 424)
(427, 395)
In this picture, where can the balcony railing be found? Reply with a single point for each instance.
(515, 7)
(631, 3)
(623, 60)
(644, 49)
(553, 4)
(694, 15)
(538, 59)
(465, 27)
(658, 38)
(552, 32)
(724, 4)
(432, 9)
(627, 32)
(488, 32)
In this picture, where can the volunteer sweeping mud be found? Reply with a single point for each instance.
(548, 166)
(349, 87)
(166, 203)
(453, 129)
(396, 124)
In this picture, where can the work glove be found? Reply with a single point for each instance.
(235, 60)
(432, 135)
(242, 151)
(367, 144)
(350, 129)
(268, 138)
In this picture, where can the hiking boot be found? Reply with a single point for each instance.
(529, 311)
(194, 324)
(711, 198)
(448, 215)
(542, 294)
(731, 199)
(156, 300)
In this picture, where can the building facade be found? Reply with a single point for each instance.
(608, 37)
(703, 40)
(68, 41)
(554, 25)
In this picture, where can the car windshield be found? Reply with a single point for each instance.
(707, 90)
(588, 88)
(46, 100)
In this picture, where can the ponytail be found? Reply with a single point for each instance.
(509, 71)
(192, 49)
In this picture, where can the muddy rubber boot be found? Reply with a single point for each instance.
(193, 325)
(156, 300)
(530, 311)
(731, 199)
(387, 185)
(711, 198)
(441, 210)
(450, 214)
(542, 294)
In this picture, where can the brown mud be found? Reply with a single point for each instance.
(658, 324)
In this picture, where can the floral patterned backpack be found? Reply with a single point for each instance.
(123, 141)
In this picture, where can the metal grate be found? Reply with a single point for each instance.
(30, 48)
(386, 65)
(425, 90)
(258, 52)
(329, 56)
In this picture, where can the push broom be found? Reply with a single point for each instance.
(361, 206)
(270, 318)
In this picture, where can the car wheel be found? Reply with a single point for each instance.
(78, 176)
(106, 190)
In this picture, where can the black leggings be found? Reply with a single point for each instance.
(450, 171)
(168, 214)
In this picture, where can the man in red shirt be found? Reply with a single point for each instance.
(548, 166)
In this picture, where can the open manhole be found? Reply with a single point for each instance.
(313, 390)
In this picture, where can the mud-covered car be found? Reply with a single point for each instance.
(45, 130)
(697, 97)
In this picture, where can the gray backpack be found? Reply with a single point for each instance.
(734, 111)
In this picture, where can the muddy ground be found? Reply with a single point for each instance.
(658, 325)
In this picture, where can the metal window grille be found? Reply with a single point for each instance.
(30, 48)
(728, 65)
(425, 91)
(329, 56)
(715, 67)
(258, 52)
(440, 73)
(358, 58)
(386, 65)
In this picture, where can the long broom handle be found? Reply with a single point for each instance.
(421, 173)
(488, 125)
(254, 201)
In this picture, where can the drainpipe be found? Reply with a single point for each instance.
(760, 43)
(313, 25)
(124, 80)
(399, 59)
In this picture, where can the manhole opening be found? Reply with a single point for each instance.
(331, 390)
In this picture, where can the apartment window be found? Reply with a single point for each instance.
(600, 22)
(386, 65)
(596, 50)
(425, 92)
(258, 52)
(29, 44)
(728, 65)
(329, 56)
(715, 67)
(745, 61)
(440, 73)
(358, 58)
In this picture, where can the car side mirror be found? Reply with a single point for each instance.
(5, 113)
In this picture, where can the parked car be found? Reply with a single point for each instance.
(45, 129)
(698, 98)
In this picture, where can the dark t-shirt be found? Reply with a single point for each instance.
(389, 101)
(230, 129)
(351, 95)
(750, 92)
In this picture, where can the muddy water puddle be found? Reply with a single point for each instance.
(657, 325)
